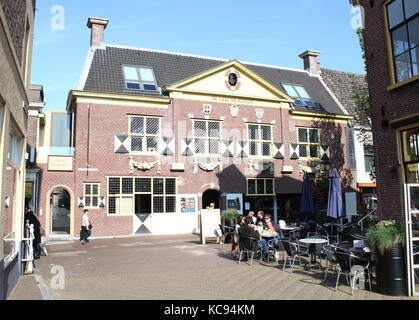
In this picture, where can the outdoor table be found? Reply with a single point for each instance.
(289, 228)
(269, 235)
(312, 242)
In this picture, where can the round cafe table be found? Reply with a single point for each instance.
(312, 243)
(268, 235)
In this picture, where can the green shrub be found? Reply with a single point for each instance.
(384, 236)
(229, 216)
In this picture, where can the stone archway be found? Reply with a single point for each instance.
(60, 211)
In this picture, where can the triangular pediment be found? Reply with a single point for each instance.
(231, 79)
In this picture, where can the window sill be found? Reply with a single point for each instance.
(401, 84)
(150, 154)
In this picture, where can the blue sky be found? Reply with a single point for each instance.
(265, 31)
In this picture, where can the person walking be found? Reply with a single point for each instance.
(86, 228)
(30, 216)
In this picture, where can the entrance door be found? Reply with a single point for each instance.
(142, 219)
(211, 197)
(412, 228)
(60, 202)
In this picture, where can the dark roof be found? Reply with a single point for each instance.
(105, 74)
(341, 85)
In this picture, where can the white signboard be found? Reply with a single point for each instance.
(210, 221)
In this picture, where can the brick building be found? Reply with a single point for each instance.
(152, 137)
(16, 32)
(392, 52)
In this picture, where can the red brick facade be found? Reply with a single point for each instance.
(388, 106)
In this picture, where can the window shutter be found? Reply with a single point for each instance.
(122, 144)
(102, 202)
(325, 153)
(82, 202)
(227, 149)
(167, 146)
(243, 149)
(279, 150)
(188, 147)
(294, 151)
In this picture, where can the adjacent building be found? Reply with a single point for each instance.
(150, 137)
(392, 52)
(16, 32)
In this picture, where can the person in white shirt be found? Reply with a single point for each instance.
(86, 228)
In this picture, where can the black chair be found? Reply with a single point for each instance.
(294, 251)
(331, 262)
(350, 268)
(248, 246)
(226, 232)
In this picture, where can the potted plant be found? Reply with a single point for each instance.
(386, 239)
(229, 217)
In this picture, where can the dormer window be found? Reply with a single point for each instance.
(140, 78)
(302, 98)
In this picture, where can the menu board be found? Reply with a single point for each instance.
(210, 221)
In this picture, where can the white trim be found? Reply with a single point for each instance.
(202, 57)
(86, 68)
(332, 95)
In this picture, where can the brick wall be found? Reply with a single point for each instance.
(387, 105)
(107, 121)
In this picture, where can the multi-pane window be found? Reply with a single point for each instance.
(260, 187)
(126, 194)
(207, 136)
(309, 143)
(260, 140)
(140, 78)
(302, 98)
(145, 134)
(91, 195)
(369, 158)
(403, 25)
(15, 146)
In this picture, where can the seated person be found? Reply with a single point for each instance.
(249, 231)
(252, 214)
(274, 227)
(235, 237)
(260, 217)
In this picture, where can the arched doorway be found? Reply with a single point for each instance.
(209, 197)
(60, 208)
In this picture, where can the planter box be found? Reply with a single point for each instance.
(391, 272)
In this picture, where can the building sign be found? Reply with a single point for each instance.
(351, 148)
(60, 163)
(232, 100)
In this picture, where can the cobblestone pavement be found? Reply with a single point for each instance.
(175, 268)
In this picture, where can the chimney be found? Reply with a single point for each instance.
(98, 26)
(310, 61)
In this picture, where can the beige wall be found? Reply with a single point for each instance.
(14, 87)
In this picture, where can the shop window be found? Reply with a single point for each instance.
(145, 134)
(207, 136)
(91, 195)
(403, 26)
(124, 192)
(260, 187)
(140, 79)
(260, 140)
(309, 143)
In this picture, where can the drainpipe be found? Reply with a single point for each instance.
(88, 139)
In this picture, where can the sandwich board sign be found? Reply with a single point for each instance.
(210, 221)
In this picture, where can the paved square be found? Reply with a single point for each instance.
(176, 268)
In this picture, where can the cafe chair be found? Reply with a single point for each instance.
(226, 232)
(346, 261)
(331, 262)
(248, 246)
(294, 251)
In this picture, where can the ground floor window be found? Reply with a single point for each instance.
(91, 195)
(129, 195)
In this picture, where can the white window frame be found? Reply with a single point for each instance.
(92, 195)
(139, 81)
(207, 138)
(260, 142)
(256, 187)
(145, 136)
